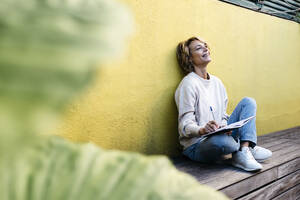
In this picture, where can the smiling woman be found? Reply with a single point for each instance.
(201, 100)
(199, 52)
(184, 50)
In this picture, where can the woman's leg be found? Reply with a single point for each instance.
(246, 108)
(247, 134)
(212, 148)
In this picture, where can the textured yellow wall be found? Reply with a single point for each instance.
(131, 104)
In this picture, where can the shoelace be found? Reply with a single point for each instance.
(249, 153)
(254, 150)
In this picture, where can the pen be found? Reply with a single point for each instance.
(212, 113)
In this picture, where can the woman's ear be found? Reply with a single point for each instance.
(190, 60)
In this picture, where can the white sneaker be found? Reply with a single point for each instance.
(244, 159)
(260, 154)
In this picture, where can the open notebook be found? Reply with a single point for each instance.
(230, 126)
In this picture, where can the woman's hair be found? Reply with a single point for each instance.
(183, 54)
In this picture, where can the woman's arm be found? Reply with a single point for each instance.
(185, 98)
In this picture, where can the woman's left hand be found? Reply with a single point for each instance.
(229, 132)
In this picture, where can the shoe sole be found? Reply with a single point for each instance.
(245, 168)
(262, 160)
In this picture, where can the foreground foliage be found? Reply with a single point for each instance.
(59, 170)
(50, 50)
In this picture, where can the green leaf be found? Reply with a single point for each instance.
(59, 170)
(50, 52)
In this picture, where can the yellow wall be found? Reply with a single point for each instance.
(131, 105)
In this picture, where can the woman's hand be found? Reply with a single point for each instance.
(211, 126)
(228, 133)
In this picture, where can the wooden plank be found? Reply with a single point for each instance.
(267, 138)
(280, 147)
(274, 143)
(245, 186)
(267, 142)
(227, 176)
(290, 137)
(231, 175)
(289, 167)
(275, 189)
(216, 170)
(282, 132)
(282, 156)
(293, 193)
(201, 171)
(294, 131)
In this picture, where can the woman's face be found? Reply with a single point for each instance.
(199, 52)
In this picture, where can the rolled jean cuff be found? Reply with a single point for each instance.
(249, 137)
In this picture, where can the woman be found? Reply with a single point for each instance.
(201, 100)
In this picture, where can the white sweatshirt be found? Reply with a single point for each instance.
(194, 97)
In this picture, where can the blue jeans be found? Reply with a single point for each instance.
(212, 148)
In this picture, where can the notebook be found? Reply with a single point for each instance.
(230, 127)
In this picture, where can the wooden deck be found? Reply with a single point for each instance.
(279, 178)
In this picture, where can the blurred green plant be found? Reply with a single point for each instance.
(59, 170)
(50, 50)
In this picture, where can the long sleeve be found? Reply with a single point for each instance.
(185, 98)
(225, 116)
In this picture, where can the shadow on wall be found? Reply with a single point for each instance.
(163, 126)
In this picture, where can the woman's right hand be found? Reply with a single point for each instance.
(211, 126)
